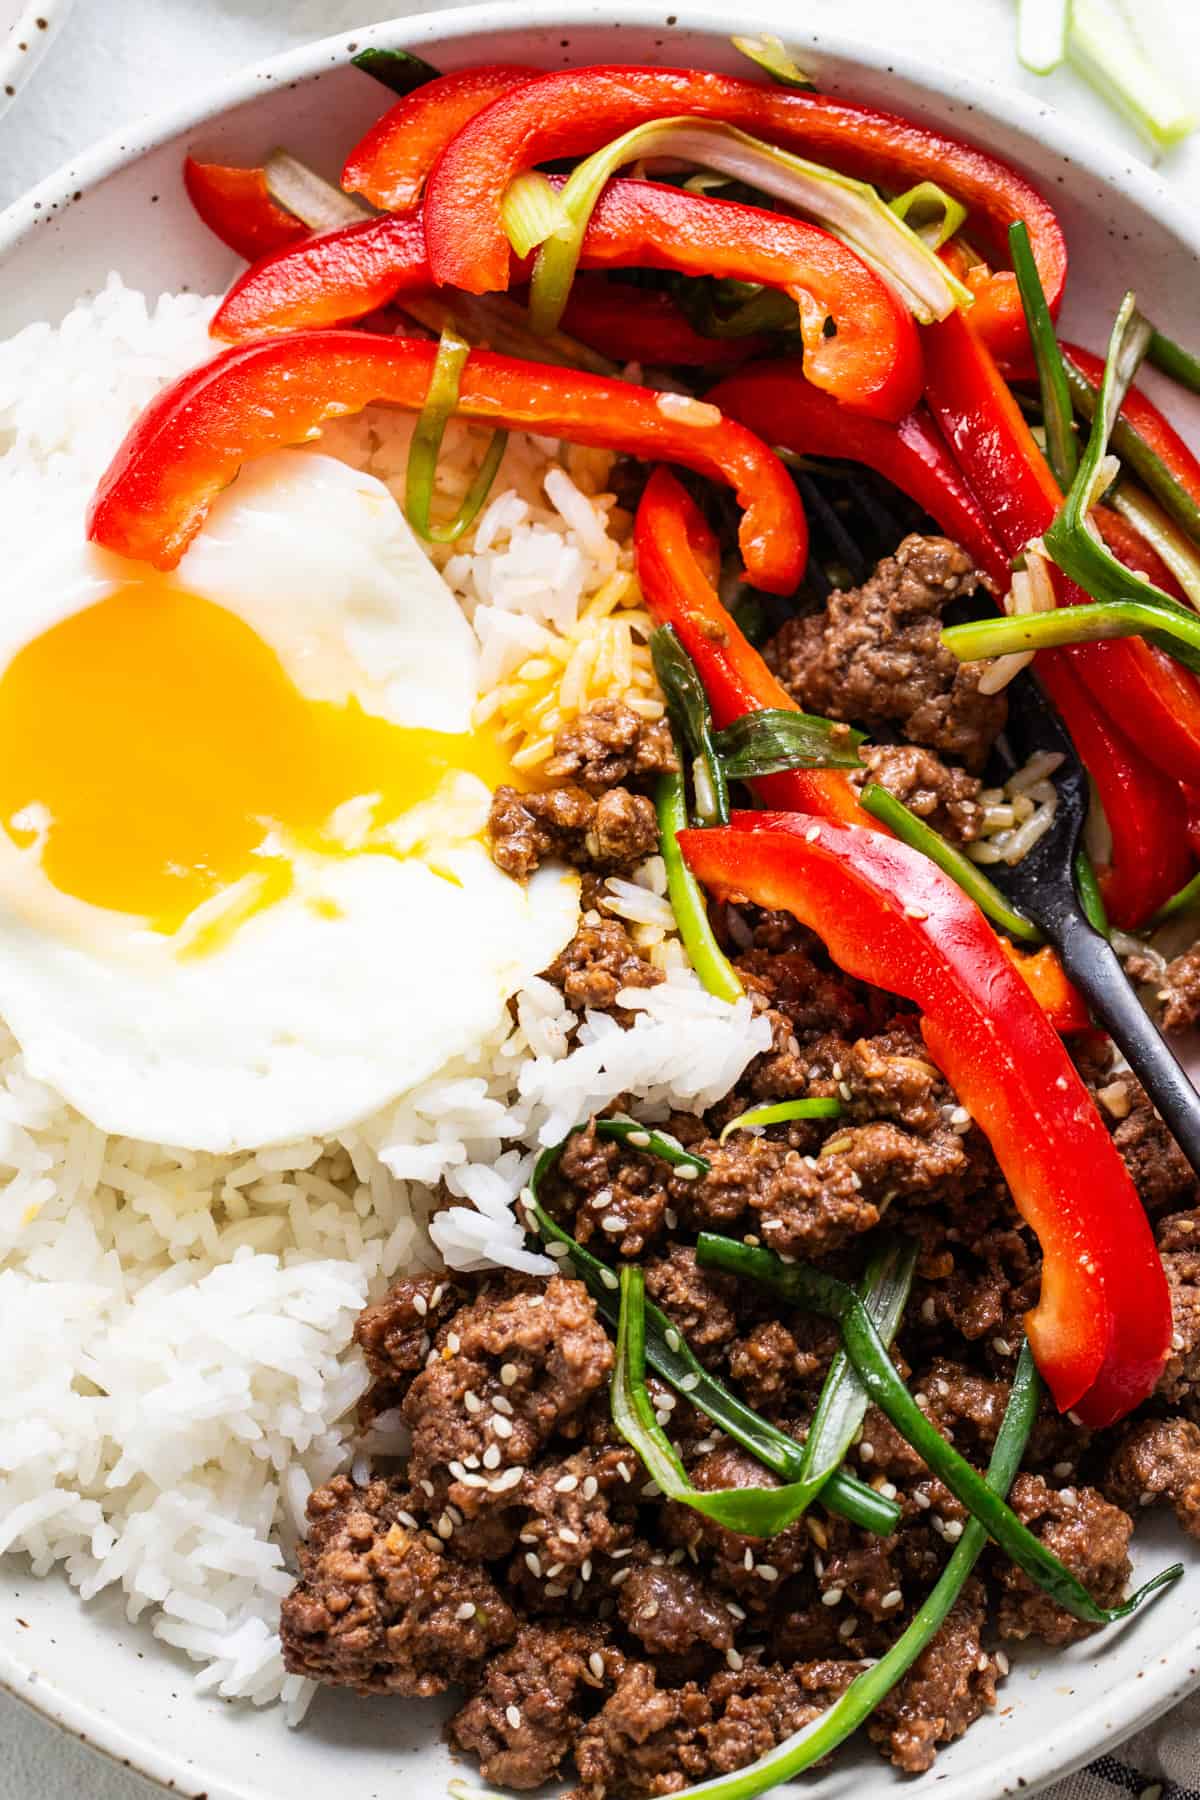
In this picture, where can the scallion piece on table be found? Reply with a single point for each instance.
(781, 1113)
(1162, 620)
(1042, 34)
(851, 210)
(399, 70)
(1105, 51)
(1181, 365)
(691, 717)
(672, 1359)
(817, 1740)
(532, 212)
(817, 1292)
(710, 962)
(774, 739)
(1058, 414)
(775, 59)
(931, 212)
(752, 1512)
(1137, 455)
(893, 813)
(426, 445)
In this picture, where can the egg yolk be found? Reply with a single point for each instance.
(160, 739)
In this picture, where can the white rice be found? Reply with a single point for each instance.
(175, 1328)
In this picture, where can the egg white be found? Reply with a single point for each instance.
(378, 966)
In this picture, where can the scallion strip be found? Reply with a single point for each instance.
(817, 1740)
(501, 324)
(426, 444)
(1104, 50)
(1088, 889)
(654, 1143)
(714, 968)
(1185, 900)
(851, 210)
(776, 60)
(1058, 414)
(752, 1512)
(1162, 534)
(312, 199)
(1137, 455)
(843, 1403)
(399, 70)
(532, 211)
(938, 215)
(817, 1292)
(1161, 620)
(782, 1112)
(1042, 34)
(673, 1361)
(911, 830)
(774, 739)
(691, 717)
(1181, 365)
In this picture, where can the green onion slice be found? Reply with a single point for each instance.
(1162, 620)
(1181, 365)
(1162, 534)
(1042, 34)
(1058, 414)
(426, 445)
(1104, 50)
(1132, 448)
(817, 1292)
(532, 211)
(1088, 889)
(816, 1740)
(654, 1142)
(691, 716)
(673, 1360)
(767, 742)
(781, 1113)
(501, 324)
(776, 60)
(714, 968)
(312, 199)
(932, 213)
(911, 830)
(399, 70)
(851, 210)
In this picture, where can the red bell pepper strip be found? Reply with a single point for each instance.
(389, 165)
(644, 325)
(677, 563)
(780, 407)
(1155, 702)
(194, 436)
(872, 361)
(1046, 979)
(576, 111)
(1102, 1326)
(1147, 421)
(236, 206)
(1147, 812)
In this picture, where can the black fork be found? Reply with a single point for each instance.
(1043, 885)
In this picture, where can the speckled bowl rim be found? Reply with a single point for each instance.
(25, 43)
(1081, 1731)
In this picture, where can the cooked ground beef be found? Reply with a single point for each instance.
(614, 832)
(607, 745)
(1179, 1242)
(1087, 1534)
(951, 1683)
(1158, 1459)
(600, 960)
(523, 1718)
(875, 656)
(1179, 991)
(946, 798)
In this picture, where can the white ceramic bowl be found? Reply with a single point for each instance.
(27, 27)
(123, 204)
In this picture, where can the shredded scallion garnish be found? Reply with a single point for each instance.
(425, 448)
(931, 212)
(775, 59)
(1058, 414)
(898, 818)
(399, 70)
(532, 211)
(713, 967)
(782, 1112)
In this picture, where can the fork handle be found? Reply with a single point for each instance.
(1092, 964)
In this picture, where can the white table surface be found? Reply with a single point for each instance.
(117, 59)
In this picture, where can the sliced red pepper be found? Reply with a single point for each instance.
(644, 325)
(871, 362)
(194, 436)
(1147, 421)
(1154, 701)
(576, 111)
(236, 205)
(780, 407)
(1102, 1326)
(1046, 979)
(677, 563)
(389, 165)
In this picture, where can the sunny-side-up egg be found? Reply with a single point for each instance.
(244, 893)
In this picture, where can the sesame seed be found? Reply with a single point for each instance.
(622, 1471)
(922, 1400)
(453, 1342)
(1068, 1494)
(892, 1598)
(960, 1116)
(1063, 1470)
(513, 1715)
(491, 1457)
(813, 833)
(438, 1292)
(689, 1383)
(886, 1490)
(503, 1404)
(585, 1569)
(472, 1402)
(1075, 1418)
(553, 1589)
(651, 1491)
(620, 1555)
(466, 1610)
(508, 1374)
(672, 1337)
(406, 1518)
(922, 1499)
(689, 1172)
(670, 1219)
(509, 1479)
(445, 1526)
(566, 1484)
(929, 1310)
(844, 1090)
(748, 1559)
(866, 1452)
(766, 1572)
(613, 1223)
(698, 413)
(982, 1663)
(941, 1388)
(1002, 1662)
(558, 1251)
(1001, 1346)
(528, 1537)
(832, 1596)
(1177, 1342)
(420, 1305)
(457, 1470)
(596, 1665)
(639, 1139)
(472, 1461)
(500, 1425)
(474, 1481)
(849, 1626)
(1146, 1499)
(733, 1658)
(567, 1535)
(953, 1530)
(619, 1577)
(536, 1300)
(554, 1569)
(533, 1563)
(915, 912)
(650, 1610)
(676, 1557)
(609, 1279)
(734, 1610)
(591, 1487)
(426, 1487)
